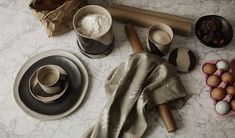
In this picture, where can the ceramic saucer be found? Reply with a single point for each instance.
(44, 97)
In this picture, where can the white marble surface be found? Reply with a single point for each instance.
(22, 37)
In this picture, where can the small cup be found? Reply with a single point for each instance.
(159, 39)
(50, 79)
(94, 45)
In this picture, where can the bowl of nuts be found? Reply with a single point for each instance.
(214, 31)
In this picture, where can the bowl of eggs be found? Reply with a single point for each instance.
(221, 82)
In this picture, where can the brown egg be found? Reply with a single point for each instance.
(209, 69)
(227, 77)
(213, 81)
(231, 90)
(218, 94)
(232, 104)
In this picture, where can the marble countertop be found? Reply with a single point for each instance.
(22, 37)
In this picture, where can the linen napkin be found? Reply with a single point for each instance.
(143, 79)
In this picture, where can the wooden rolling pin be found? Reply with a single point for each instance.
(146, 20)
(153, 13)
(163, 108)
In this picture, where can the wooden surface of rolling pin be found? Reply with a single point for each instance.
(153, 13)
(145, 20)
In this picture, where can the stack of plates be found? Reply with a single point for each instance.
(68, 102)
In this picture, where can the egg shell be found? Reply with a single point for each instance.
(231, 90)
(222, 107)
(222, 85)
(213, 81)
(232, 104)
(218, 94)
(227, 77)
(209, 69)
(222, 65)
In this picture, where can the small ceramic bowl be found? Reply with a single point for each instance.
(153, 45)
(214, 31)
(41, 95)
(223, 85)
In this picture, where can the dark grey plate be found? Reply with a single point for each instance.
(62, 104)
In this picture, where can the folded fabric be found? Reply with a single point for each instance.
(143, 79)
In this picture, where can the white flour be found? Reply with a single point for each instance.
(93, 25)
(160, 37)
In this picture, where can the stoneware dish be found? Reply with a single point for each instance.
(66, 104)
(223, 85)
(223, 29)
(155, 47)
(50, 78)
(183, 59)
(41, 95)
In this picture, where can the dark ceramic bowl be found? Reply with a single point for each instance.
(224, 28)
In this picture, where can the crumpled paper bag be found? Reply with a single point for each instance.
(144, 79)
(59, 20)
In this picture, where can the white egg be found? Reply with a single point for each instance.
(222, 107)
(222, 65)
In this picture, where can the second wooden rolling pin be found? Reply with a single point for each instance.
(163, 108)
(146, 20)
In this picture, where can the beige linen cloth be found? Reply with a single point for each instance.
(143, 79)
